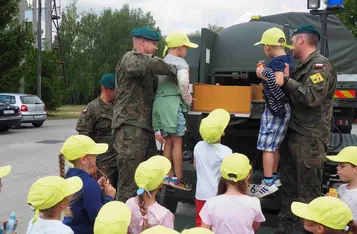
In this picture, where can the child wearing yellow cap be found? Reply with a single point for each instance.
(209, 155)
(276, 116)
(233, 209)
(325, 215)
(146, 212)
(160, 230)
(50, 197)
(347, 171)
(171, 100)
(113, 218)
(81, 152)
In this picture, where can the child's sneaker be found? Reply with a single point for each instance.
(167, 180)
(264, 190)
(277, 182)
(180, 184)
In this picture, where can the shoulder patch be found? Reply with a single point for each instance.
(316, 78)
(319, 66)
(84, 111)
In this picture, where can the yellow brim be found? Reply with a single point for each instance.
(191, 45)
(4, 171)
(100, 148)
(74, 184)
(258, 43)
(288, 46)
(300, 209)
(339, 159)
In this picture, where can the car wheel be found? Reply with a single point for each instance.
(37, 125)
(4, 129)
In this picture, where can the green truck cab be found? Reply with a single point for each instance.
(229, 58)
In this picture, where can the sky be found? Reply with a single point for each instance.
(191, 15)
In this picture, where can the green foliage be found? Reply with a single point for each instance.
(349, 15)
(15, 41)
(93, 44)
(51, 88)
(213, 27)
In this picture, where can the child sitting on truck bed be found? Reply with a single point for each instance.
(347, 171)
(275, 118)
(171, 100)
(209, 155)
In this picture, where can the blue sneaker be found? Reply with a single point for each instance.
(180, 184)
(166, 180)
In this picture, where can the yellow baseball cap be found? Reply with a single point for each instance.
(50, 190)
(78, 146)
(151, 173)
(346, 155)
(176, 39)
(114, 218)
(212, 127)
(235, 167)
(4, 171)
(159, 230)
(328, 211)
(197, 230)
(272, 37)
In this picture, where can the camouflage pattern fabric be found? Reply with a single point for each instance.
(136, 79)
(96, 122)
(303, 151)
(134, 145)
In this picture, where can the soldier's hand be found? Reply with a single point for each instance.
(109, 189)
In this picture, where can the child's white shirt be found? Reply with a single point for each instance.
(183, 77)
(209, 158)
(349, 196)
(47, 226)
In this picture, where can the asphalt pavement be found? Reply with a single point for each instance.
(33, 153)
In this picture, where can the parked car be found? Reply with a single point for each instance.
(9, 116)
(32, 108)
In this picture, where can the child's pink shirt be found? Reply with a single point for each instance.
(230, 214)
(156, 214)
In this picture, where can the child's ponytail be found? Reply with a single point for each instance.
(61, 162)
(143, 211)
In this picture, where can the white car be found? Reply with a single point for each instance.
(32, 108)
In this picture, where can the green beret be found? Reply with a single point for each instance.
(108, 81)
(146, 33)
(306, 29)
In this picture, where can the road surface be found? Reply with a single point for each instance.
(33, 152)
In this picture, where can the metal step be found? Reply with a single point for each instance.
(347, 140)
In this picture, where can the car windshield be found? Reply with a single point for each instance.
(2, 103)
(9, 99)
(31, 100)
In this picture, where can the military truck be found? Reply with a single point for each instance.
(229, 58)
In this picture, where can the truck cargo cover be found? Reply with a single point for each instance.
(342, 43)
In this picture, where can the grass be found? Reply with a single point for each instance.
(66, 112)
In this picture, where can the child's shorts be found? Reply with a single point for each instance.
(181, 125)
(272, 130)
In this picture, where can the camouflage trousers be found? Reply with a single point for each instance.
(133, 145)
(301, 173)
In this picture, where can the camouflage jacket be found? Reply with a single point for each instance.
(96, 122)
(311, 92)
(136, 75)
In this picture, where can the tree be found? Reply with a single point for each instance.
(349, 15)
(92, 45)
(213, 27)
(15, 41)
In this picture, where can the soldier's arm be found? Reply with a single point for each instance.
(86, 122)
(159, 67)
(315, 88)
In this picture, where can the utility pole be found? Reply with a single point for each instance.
(39, 48)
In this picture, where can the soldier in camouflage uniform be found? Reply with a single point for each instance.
(134, 136)
(311, 90)
(96, 122)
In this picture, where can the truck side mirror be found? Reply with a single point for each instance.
(313, 4)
